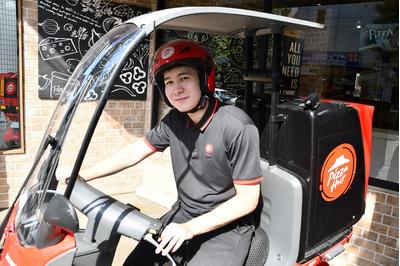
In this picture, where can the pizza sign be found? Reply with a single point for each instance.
(338, 172)
(11, 88)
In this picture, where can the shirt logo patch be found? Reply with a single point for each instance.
(209, 150)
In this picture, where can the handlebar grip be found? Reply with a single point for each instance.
(149, 238)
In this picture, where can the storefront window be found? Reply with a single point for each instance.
(356, 58)
(10, 111)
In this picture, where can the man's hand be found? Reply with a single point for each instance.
(172, 238)
(63, 173)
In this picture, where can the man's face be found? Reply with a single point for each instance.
(182, 87)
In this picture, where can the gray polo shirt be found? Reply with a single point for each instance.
(208, 158)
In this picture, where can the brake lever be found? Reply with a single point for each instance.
(149, 238)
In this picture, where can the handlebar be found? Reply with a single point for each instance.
(149, 238)
(106, 214)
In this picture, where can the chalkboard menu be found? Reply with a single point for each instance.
(68, 29)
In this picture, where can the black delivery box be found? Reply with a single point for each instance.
(323, 148)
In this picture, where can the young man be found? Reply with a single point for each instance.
(215, 158)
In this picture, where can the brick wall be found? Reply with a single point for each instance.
(375, 238)
(14, 168)
(121, 122)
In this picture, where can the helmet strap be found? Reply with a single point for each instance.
(200, 105)
(203, 88)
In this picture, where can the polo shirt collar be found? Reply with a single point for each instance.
(207, 117)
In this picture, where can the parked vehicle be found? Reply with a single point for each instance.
(225, 96)
(315, 157)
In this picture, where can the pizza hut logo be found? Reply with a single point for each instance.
(167, 52)
(209, 148)
(11, 88)
(338, 172)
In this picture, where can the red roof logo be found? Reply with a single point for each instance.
(167, 52)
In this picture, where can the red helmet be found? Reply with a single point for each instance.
(183, 52)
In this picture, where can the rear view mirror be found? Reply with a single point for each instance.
(59, 218)
(61, 213)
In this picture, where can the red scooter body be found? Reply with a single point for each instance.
(15, 254)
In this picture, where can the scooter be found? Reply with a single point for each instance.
(315, 159)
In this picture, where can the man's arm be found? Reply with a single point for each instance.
(126, 157)
(244, 202)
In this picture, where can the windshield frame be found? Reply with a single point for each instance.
(130, 46)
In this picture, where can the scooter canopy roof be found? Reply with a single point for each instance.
(220, 20)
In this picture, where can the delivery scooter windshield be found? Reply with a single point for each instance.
(83, 97)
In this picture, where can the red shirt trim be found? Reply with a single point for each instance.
(255, 181)
(211, 116)
(149, 144)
